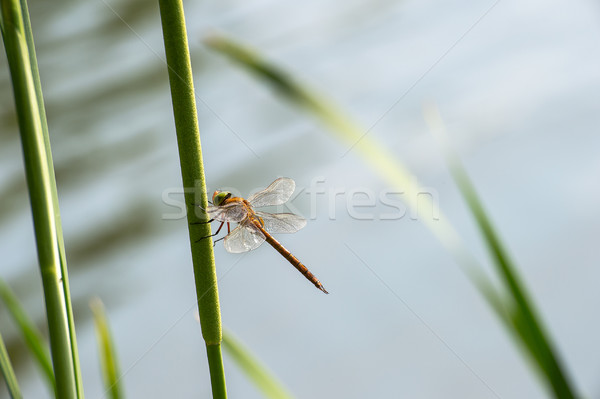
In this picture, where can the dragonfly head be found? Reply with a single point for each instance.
(220, 196)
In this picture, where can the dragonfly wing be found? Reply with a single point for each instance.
(281, 222)
(243, 238)
(227, 213)
(277, 193)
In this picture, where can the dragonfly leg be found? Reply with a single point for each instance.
(212, 235)
(200, 206)
(222, 238)
(204, 222)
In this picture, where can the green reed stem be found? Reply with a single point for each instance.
(41, 183)
(192, 171)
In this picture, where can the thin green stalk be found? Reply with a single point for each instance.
(217, 375)
(7, 371)
(33, 338)
(192, 171)
(41, 183)
(108, 355)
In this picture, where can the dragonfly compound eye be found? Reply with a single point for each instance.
(220, 196)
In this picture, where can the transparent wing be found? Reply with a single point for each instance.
(227, 213)
(243, 238)
(281, 222)
(276, 194)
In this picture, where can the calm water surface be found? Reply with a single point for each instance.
(518, 84)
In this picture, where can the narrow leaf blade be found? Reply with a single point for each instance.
(108, 357)
(524, 319)
(255, 371)
(32, 337)
(8, 372)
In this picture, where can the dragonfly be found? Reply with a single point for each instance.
(255, 227)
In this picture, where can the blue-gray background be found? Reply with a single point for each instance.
(518, 83)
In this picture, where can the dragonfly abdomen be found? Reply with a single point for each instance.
(293, 260)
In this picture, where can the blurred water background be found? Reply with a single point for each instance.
(518, 84)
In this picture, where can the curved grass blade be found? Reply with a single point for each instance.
(258, 373)
(34, 340)
(8, 372)
(41, 183)
(523, 320)
(108, 354)
(192, 172)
